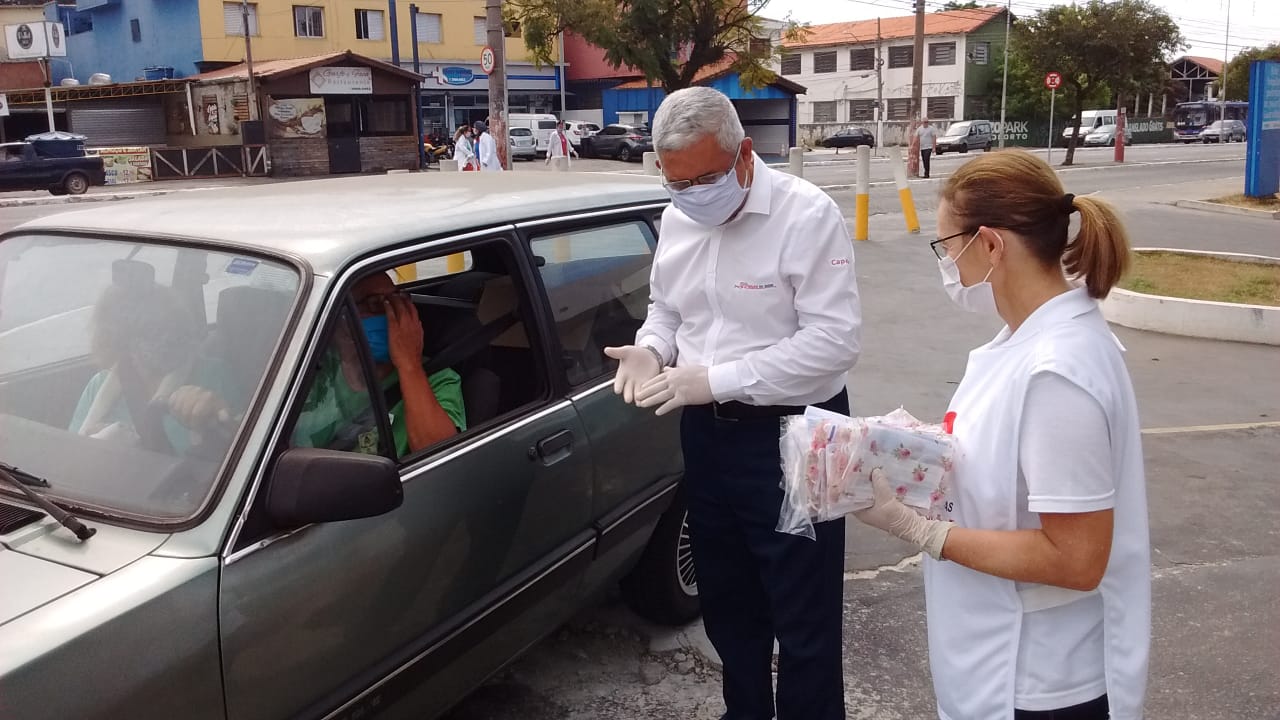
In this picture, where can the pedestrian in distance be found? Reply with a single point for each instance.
(487, 151)
(1038, 585)
(558, 145)
(772, 327)
(464, 151)
(927, 134)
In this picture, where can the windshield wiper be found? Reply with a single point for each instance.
(12, 475)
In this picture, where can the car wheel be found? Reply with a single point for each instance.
(57, 191)
(663, 587)
(1111, 142)
(76, 184)
(624, 153)
(964, 148)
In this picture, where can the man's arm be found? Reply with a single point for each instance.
(819, 264)
(426, 422)
(662, 320)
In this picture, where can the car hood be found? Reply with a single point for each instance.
(43, 561)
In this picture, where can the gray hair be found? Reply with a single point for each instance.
(689, 115)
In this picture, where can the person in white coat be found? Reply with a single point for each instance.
(463, 150)
(488, 149)
(1038, 586)
(558, 146)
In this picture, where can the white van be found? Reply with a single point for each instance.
(542, 126)
(1090, 120)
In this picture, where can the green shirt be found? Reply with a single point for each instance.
(337, 417)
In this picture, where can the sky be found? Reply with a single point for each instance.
(1203, 22)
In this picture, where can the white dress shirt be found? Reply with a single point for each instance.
(768, 301)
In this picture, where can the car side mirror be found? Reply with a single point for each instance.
(310, 485)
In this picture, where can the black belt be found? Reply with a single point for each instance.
(735, 410)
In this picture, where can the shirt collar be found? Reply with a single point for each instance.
(760, 196)
(1070, 304)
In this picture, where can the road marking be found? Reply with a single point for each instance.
(1209, 428)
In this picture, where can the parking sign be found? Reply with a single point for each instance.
(1053, 81)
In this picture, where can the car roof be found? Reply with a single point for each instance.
(329, 223)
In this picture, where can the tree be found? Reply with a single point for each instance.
(1028, 99)
(1238, 69)
(1121, 45)
(666, 41)
(956, 5)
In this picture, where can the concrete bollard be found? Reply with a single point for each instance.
(449, 165)
(560, 164)
(795, 161)
(904, 190)
(651, 163)
(862, 200)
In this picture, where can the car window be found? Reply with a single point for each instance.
(521, 132)
(613, 130)
(338, 412)
(597, 283)
(546, 124)
(126, 368)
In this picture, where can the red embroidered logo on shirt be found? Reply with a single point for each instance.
(751, 286)
(840, 261)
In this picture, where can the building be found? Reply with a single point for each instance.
(1197, 75)
(145, 39)
(837, 63)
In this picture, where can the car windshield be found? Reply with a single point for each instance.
(521, 132)
(126, 368)
(1101, 129)
(957, 130)
(1216, 124)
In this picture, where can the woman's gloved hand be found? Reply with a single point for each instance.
(890, 515)
(637, 365)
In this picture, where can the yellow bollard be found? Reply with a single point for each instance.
(904, 190)
(862, 201)
(456, 263)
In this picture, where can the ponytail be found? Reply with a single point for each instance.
(1100, 251)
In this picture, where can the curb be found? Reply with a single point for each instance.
(100, 197)
(1227, 209)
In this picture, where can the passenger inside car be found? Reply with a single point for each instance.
(423, 408)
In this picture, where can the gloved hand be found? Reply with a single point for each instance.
(637, 365)
(675, 388)
(891, 516)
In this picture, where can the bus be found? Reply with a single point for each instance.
(1189, 118)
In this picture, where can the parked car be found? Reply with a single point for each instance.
(1106, 135)
(850, 137)
(541, 124)
(37, 166)
(966, 136)
(288, 559)
(1090, 120)
(523, 143)
(576, 130)
(1223, 131)
(623, 142)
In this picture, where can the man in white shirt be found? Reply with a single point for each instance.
(928, 136)
(488, 149)
(754, 314)
(558, 146)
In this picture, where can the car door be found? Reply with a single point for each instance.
(609, 140)
(595, 274)
(410, 610)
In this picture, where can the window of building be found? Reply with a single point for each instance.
(824, 62)
(369, 25)
(760, 46)
(980, 53)
(791, 64)
(941, 108)
(942, 53)
(481, 29)
(385, 116)
(862, 110)
(308, 21)
(510, 28)
(240, 106)
(862, 59)
(824, 112)
(899, 109)
(901, 56)
(135, 29)
(430, 28)
(233, 19)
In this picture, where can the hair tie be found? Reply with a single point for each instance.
(1068, 204)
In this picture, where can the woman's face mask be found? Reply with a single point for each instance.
(715, 203)
(979, 297)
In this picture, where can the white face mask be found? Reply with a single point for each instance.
(712, 204)
(979, 297)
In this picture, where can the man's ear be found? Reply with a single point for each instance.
(748, 145)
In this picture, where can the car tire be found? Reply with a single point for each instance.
(964, 148)
(938, 153)
(663, 586)
(76, 183)
(57, 191)
(624, 154)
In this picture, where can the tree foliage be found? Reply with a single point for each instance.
(1238, 69)
(957, 5)
(666, 41)
(1120, 45)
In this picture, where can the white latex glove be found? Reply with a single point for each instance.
(637, 365)
(890, 515)
(675, 388)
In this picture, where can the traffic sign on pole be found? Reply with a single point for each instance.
(1053, 81)
(488, 61)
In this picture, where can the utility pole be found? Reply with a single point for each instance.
(1004, 86)
(561, 80)
(917, 65)
(1222, 84)
(498, 80)
(393, 28)
(248, 60)
(417, 86)
(879, 87)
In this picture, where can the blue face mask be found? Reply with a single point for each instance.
(375, 332)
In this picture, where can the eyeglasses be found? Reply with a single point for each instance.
(708, 179)
(937, 243)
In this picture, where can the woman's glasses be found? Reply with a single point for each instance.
(937, 245)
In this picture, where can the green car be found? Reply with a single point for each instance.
(206, 513)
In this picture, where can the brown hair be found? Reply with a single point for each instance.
(1017, 190)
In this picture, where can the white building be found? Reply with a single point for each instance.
(837, 64)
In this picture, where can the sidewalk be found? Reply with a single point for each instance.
(134, 190)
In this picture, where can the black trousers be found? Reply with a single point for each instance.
(756, 583)
(1096, 709)
(925, 154)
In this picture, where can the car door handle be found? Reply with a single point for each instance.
(553, 448)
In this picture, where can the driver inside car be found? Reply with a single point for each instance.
(423, 409)
(148, 345)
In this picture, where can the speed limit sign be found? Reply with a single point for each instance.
(1053, 81)
(487, 60)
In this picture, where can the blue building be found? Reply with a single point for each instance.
(129, 39)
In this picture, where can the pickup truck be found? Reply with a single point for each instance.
(24, 167)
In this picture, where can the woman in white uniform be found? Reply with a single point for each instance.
(1038, 587)
(463, 151)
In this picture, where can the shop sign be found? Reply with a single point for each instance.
(124, 165)
(455, 76)
(297, 117)
(342, 81)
